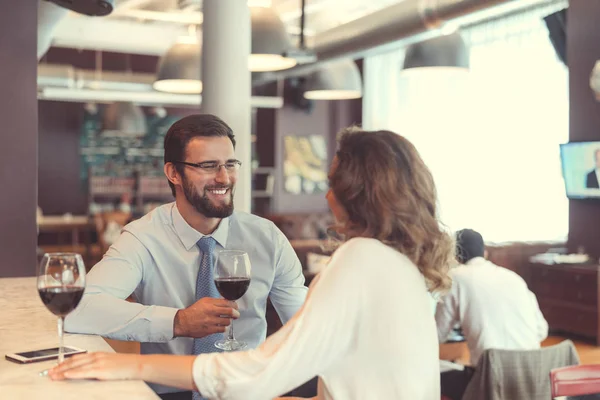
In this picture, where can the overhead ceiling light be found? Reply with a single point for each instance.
(270, 42)
(152, 98)
(338, 80)
(124, 119)
(179, 69)
(94, 8)
(448, 52)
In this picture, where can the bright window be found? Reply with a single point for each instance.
(490, 137)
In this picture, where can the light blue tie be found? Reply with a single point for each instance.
(205, 287)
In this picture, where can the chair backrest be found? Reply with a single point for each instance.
(518, 374)
(576, 380)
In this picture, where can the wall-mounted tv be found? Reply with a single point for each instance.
(581, 169)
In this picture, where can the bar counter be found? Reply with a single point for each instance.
(26, 324)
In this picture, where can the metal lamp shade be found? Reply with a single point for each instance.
(179, 69)
(94, 8)
(446, 51)
(270, 42)
(339, 80)
(124, 119)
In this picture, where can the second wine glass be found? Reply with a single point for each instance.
(61, 282)
(232, 278)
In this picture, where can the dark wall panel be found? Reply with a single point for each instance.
(60, 187)
(583, 49)
(18, 138)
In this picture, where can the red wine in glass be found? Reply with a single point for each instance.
(61, 300)
(232, 277)
(232, 288)
(60, 283)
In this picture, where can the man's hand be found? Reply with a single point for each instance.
(204, 317)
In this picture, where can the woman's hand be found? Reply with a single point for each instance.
(102, 366)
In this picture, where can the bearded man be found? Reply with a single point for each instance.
(165, 259)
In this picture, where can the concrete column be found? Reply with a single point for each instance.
(18, 138)
(226, 37)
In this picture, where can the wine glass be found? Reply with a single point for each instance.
(61, 282)
(232, 279)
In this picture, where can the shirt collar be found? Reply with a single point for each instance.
(189, 236)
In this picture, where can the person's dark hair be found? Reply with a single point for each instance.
(181, 132)
(469, 244)
(388, 194)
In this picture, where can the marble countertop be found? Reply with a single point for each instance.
(25, 324)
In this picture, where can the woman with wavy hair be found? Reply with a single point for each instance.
(366, 328)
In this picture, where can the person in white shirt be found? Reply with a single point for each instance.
(492, 305)
(158, 259)
(593, 177)
(366, 328)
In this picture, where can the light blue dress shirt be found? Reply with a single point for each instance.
(157, 260)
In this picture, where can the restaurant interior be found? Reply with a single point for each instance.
(491, 93)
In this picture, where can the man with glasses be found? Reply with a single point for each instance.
(165, 259)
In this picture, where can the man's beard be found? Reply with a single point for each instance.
(203, 204)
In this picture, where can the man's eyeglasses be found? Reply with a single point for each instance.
(212, 167)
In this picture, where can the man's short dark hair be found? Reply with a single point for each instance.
(469, 244)
(187, 128)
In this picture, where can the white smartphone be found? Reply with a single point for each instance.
(27, 357)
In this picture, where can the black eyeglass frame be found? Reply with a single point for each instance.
(213, 166)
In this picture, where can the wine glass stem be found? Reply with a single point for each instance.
(231, 338)
(61, 323)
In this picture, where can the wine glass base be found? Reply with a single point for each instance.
(47, 371)
(230, 345)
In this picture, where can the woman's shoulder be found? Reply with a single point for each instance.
(361, 245)
(360, 250)
(362, 261)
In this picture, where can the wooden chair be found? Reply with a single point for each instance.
(576, 380)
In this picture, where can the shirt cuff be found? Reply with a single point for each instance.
(161, 326)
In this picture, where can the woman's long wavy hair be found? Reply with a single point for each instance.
(388, 194)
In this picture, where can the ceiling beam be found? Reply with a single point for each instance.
(130, 4)
(143, 98)
(175, 16)
(120, 36)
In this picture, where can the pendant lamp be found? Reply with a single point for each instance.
(339, 80)
(179, 69)
(448, 52)
(270, 42)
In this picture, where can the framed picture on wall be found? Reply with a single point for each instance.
(305, 164)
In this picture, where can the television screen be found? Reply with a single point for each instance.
(581, 169)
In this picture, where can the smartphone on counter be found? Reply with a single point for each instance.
(27, 357)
